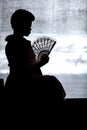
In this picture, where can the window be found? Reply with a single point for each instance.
(66, 21)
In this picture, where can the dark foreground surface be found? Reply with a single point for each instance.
(21, 101)
(18, 110)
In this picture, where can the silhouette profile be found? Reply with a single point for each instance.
(25, 76)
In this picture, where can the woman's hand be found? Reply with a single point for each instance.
(44, 60)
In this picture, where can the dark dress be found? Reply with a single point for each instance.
(25, 76)
(21, 61)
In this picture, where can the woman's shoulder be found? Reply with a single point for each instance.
(20, 40)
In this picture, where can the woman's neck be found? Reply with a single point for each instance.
(17, 34)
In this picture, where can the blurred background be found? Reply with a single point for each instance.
(64, 20)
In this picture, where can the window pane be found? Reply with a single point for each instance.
(64, 20)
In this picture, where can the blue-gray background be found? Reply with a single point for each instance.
(64, 20)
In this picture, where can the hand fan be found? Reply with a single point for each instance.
(43, 45)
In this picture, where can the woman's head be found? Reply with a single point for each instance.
(21, 21)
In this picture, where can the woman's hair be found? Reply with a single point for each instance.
(20, 17)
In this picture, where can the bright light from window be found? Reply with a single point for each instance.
(68, 56)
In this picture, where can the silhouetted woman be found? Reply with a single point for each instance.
(24, 72)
